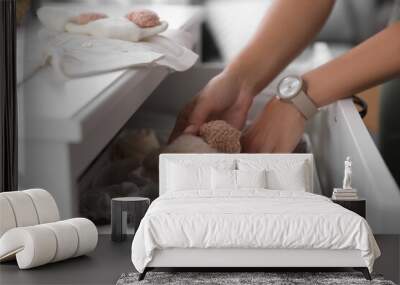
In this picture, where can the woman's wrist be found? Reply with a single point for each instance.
(242, 77)
(316, 89)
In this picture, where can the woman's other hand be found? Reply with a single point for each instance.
(223, 98)
(277, 129)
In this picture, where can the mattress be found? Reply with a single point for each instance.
(250, 218)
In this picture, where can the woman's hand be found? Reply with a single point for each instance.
(223, 98)
(277, 129)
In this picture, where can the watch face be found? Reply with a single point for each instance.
(289, 87)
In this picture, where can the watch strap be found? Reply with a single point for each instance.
(305, 105)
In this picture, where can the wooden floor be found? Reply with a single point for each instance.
(103, 266)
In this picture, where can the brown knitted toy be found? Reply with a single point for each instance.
(144, 18)
(214, 136)
(221, 136)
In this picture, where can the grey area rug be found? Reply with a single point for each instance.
(232, 278)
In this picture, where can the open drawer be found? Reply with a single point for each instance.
(335, 132)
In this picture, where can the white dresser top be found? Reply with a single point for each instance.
(66, 110)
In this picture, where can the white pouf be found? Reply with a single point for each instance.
(40, 244)
(31, 233)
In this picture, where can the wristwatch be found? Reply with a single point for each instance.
(291, 89)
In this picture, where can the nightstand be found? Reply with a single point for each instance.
(121, 207)
(358, 206)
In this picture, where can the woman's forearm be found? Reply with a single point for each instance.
(366, 65)
(285, 31)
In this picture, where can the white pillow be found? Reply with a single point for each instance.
(223, 179)
(251, 178)
(193, 174)
(226, 179)
(293, 179)
(281, 174)
(188, 177)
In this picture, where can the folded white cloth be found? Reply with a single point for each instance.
(109, 44)
(113, 27)
(116, 28)
(79, 55)
(40, 244)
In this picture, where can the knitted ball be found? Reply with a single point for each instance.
(144, 18)
(86, 18)
(221, 136)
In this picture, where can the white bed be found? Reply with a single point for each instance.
(248, 227)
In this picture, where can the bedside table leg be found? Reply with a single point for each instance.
(364, 271)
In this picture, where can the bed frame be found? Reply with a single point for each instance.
(246, 259)
(260, 259)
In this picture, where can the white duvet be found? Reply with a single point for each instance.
(250, 219)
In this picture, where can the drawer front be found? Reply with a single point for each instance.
(338, 131)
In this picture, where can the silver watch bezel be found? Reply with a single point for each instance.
(289, 98)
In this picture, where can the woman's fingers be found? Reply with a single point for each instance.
(182, 123)
(220, 99)
(199, 115)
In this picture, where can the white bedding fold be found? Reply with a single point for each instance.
(250, 219)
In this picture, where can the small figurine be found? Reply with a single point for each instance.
(347, 173)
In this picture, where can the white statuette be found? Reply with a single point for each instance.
(347, 173)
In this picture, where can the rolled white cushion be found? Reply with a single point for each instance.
(40, 244)
(67, 240)
(23, 208)
(7, 218)
(33, 246)
(87, 233)
(46, 207)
